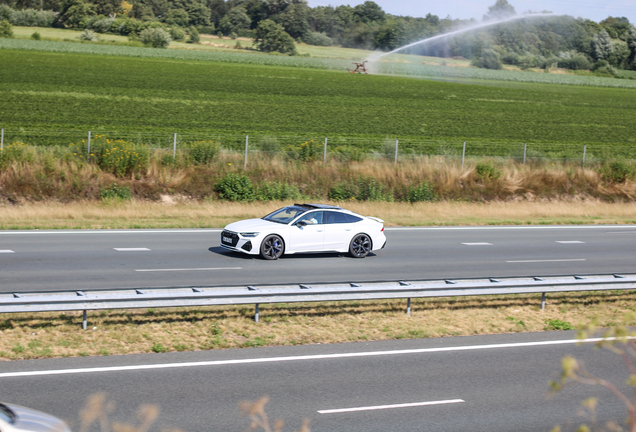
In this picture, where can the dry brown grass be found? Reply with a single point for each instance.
(177, 211)
(26, 336)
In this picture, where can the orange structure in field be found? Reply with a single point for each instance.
(359, 68)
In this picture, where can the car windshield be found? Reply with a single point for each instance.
(285, 215)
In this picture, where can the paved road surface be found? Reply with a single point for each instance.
(482, 383)
(58, 260)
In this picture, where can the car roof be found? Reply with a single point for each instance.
(319, 206)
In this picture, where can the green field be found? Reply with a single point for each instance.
(49, 91)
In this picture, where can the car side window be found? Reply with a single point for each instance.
(312, 218)
(335, 218)
(353, 218)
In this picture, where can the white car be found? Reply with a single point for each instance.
(14, 418)
(301, 228)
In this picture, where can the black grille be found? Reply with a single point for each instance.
(232, 237)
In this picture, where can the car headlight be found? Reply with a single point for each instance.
(249, 234)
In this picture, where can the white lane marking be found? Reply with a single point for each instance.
(188, 269)
(553, 260)
(621, 232)
(6, 251)
(299, 358)
(381, 407)
(131, 249)
(477, 244)
(570, 242)
(174, 231)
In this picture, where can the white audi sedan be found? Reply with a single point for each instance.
(302, 228)
(15, 418)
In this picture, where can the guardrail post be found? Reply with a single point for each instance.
(247, 137)
(84, 321)
(408, 306)
(174, 147)
(256, 313)
(542, 301)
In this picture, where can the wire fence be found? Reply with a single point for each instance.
(345, 148)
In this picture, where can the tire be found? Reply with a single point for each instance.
(360, 246)
(272, 247)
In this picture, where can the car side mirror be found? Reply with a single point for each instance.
(301, 223)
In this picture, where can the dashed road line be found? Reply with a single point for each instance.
(552, 260)
(6, 251)
(131, 249)
(381, 407)
(189, 269)
(570, 242)
(477, 244)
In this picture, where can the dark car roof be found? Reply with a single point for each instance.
(319, 206)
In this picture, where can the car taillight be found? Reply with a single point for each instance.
(382, 230)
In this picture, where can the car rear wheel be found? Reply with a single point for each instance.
(272, 247)
(360, 246)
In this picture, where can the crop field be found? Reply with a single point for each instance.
(49, 92)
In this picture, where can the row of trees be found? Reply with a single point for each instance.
(526, 42)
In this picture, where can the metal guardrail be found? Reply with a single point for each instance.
(215, 296)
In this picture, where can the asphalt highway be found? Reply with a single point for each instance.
(481, 383)
(32, 261)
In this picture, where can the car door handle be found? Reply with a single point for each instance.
(347, 229)
(320, 230)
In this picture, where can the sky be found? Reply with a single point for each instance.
(596, 10)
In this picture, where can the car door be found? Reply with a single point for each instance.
(338, 230)
(309, 237)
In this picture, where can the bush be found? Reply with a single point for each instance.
(102, 25)
(363, 189)
(32, 18)
(194, 35)
(342, 192)
(421, 192)
(116, 192)
(271, 36)
(155, 37)
(308, 151)
(5, 12)
(617, 171)
(349, 153)
(177, 33)
(557, 324)
(235, 187)
(270, 191)
(16, 152)
(88, 35)
(487, 171)
(489, 59)
(202, 152)
(128, 26)
(6, 29)
(36, 36)
(578, 62)
(118, 157)
(317, 39)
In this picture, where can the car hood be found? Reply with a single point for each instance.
(253, 225)
(31, 420)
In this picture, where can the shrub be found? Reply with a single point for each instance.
(88, 35)
(155, 37)
(5, 12)
(17, 152)
(36, 36)
(487, 171)
(32, 18)
(177, 33)
(342, 192)
(102, 25)
(202, 152)
(350, 154)
(489, 59)
(277, 191)
(233, 35)
(557, 324)
(6, 29)
(116, 192)
(235, 187)
(308, 151)
(421, 192)
(194, 35)
(363, 189)
(318, 39)
(118, 157)
(617, 171)
(128, 26)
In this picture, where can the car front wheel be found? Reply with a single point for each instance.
(272, 247)
(360, 246)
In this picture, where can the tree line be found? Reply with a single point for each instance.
(529, 42)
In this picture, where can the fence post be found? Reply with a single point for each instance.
(408, 307)
(256, 313)
(396, 151)
(88, 154)
(324, 156)
(463, 154)
(246, 141)
(542, 301)
(525, 147)
(584, 149)
(174, 147)
(84, 321)
(2, 140)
